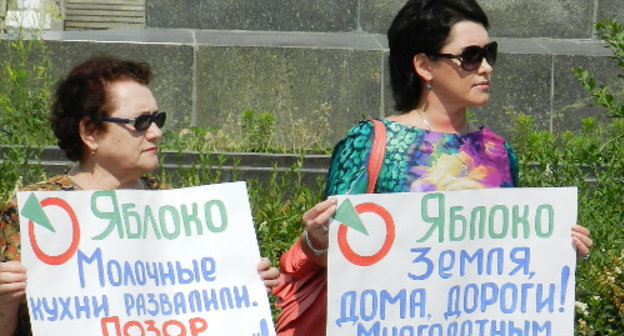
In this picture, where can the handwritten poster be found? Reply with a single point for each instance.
(476, 262)
(129, 262)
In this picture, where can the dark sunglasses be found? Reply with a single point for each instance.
(472, 56)
(142, 122)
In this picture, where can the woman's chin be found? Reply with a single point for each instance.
(480, 101)
(149, 166)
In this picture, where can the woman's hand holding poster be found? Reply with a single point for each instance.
(129, 262)
(475, 262)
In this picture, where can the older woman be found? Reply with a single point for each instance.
(441, 61)
(107, 120)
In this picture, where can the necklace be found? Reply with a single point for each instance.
(465, 169)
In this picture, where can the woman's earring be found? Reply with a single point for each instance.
(428, 86)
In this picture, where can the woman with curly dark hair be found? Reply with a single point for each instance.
(105, 118)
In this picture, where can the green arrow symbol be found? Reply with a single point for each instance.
(33, 211)
(347, 215)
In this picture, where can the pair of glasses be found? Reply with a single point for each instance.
(472, 56)
(142, 122)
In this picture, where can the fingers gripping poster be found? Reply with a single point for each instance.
(129, 262)
(480, 262)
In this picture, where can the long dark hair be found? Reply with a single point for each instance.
(422, 26)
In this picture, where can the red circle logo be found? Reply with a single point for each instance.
(353, 256)
(63, 257)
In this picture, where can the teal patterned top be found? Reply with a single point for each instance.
(422, 160)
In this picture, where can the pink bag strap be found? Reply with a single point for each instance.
(377, 154)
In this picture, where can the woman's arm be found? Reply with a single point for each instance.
(12, 272)
(12, 289)
(314, 239)
(347, 175)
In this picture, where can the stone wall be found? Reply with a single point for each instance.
(540, 42)
(207, 77)
(215, 59)
(509, 18)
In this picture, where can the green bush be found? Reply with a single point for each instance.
(254, 131)
(24, 92)
(258, 129)
(593, 160)
(24, 101)
(599, 288)
(613, 34)
(277, 206)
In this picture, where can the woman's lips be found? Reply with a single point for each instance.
(485, 85)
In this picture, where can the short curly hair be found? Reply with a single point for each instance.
(84, 94)
(422, 26)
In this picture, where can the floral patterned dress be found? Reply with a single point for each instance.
(10, 235)
(414, 160)
(422, 160)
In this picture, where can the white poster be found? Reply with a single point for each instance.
(129, 262)
(475, 262)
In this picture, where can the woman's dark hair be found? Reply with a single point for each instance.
(422, 26)
(84, 95)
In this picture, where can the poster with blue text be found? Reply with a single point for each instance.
(131, 262)
(474, 262)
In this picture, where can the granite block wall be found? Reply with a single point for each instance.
(509, 18)
(292, 75)
(277, 15)
(169, 53)
(208, 77)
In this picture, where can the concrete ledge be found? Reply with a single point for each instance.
(228, 165)
(204, 77)
(311, 170)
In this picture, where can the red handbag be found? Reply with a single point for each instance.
(302, 290)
